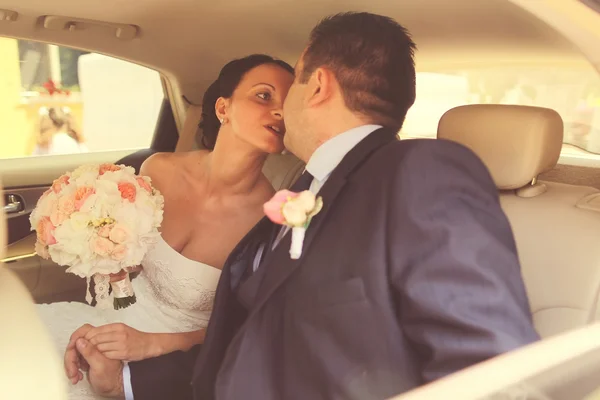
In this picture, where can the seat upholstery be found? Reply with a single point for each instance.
(30, 368)
(556, 226)
(282, 170)
(565, 367)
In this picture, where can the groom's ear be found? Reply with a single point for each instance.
(321, 87)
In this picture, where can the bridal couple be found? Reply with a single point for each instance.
(408, 273)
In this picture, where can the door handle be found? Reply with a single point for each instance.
(13, 204)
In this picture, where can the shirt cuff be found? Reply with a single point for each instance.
(127, 383)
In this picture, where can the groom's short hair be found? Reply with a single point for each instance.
(372, 58)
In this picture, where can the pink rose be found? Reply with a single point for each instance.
(102, 246)
(273, 208)
(45, 232)
(108, 168)
(119, 252)
(128, 191)
(42, 250)
(58, 183)
(81, 195)
(143, 184)
(119, 233)
(66, 207)
(104, 230)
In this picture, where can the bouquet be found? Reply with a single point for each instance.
(99, 220)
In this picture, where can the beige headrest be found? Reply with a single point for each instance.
(187, 135)
(516, 143)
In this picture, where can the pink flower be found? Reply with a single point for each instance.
(143, 184)
(274, 207)
(81, 195)
(102, 246)
(45, 232)
(119, 233)
(104, 230)
(66, 207)
(128, 191)
(119, 252)
(58, 183)
(42, 250)
(108, 168)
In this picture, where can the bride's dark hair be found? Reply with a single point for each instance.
(228, 80)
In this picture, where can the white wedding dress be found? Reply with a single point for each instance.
(174, 294)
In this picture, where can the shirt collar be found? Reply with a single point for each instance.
(330, 154)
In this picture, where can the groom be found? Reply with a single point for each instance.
(408, 273)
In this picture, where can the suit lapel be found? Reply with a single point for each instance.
(280, 265)
(242, 256)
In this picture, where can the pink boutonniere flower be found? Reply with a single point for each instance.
(295, 210)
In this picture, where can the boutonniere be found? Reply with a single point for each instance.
(296, 211)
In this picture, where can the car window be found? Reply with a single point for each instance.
(573, 90)
(57, 100)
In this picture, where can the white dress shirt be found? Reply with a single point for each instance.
(321, 164)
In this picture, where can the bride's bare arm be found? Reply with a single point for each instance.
(122, 342)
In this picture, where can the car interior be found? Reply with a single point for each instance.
(548, 181)
(25, 341)
(564, 367)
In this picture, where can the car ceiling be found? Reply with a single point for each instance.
(189, 40)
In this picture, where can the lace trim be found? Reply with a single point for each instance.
(175, 291)
(103, 297)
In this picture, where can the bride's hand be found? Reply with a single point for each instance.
(121, 342)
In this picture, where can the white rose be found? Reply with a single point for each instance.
(296, 211)
(60, 256)
(305, 201)
(128, 170)
(84, 169)
(107, 188)
(293, 214)
(74, 241)
(80, 221)
(126, 213)
(86, 179)
(118, 176)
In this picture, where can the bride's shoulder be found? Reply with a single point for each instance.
(164, 164)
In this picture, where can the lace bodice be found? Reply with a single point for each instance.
(177, 285)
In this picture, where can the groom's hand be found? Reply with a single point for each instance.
(105, 375)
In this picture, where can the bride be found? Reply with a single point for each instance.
(212, 198)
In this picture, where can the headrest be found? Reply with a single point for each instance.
(516, 143)
(189, 130)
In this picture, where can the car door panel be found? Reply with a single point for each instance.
(21, 258)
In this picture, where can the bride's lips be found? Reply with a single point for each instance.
(276, 129)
